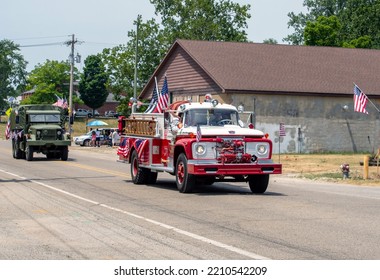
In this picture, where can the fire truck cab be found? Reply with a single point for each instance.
(198, 143)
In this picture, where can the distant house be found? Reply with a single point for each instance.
(110, 105)
(309, 89)
(27, 94)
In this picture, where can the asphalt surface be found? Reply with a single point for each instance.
(88, 208)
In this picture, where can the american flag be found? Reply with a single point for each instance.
(199, 133)
(61, 102)
(360, 100)
(140, 145)
(153, 102)
(124, 147)
(164, 97)
(8, 129)
(282, 130)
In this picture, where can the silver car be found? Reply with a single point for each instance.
(85, 139)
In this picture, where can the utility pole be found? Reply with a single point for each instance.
(71, 115)
(136, 58)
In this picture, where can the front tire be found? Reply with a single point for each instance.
(86, 143)
(185, 181)
(29, 153)
(258, 183)
(17, 153)
(65, 153)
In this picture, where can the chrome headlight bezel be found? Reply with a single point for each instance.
(200, 149)
(262, 149)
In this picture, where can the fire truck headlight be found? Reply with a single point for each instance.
(262, 149)
(200, 149)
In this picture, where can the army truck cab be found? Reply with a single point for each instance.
(39, 129)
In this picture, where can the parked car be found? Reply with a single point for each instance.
(96, 113)
(85, 139)
(85, 113)
(82, 113)
(111, 114)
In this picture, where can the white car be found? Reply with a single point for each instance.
(85, 113)
(85, 139)
(111, 114)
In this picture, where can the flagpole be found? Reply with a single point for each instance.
(158, 90)
(378, 110)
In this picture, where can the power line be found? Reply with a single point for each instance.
(35, 38)
(42, 45)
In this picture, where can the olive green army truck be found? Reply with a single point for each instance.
(39, 129)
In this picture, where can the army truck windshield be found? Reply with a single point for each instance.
(44, 118)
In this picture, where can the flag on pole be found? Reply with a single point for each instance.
(199, 133)
(8, 129)
(153, 102)
(164, 97)
(360, 100)
(61, 102)
(282, 130)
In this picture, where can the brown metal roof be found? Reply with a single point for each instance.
(259, 67)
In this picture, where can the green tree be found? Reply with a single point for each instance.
(359, 21)
(221, 20)
(93, 82)
(48, 80)
(12, 71)
(323, 32)
(270, 41)
(183, 19)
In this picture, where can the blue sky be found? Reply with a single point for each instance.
(104, 24)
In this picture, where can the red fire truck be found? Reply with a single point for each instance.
(198, 143)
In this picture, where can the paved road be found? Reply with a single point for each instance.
(87, 208)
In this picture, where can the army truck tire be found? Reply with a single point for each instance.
(17, 153)
(29, 153)
(185, 181)
(65, 153)
(258, 183)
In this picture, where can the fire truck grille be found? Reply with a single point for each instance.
(232, 151)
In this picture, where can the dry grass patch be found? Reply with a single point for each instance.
(327, 167)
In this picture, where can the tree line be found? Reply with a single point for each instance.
(338, 23)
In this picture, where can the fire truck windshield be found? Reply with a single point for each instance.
(210, 117)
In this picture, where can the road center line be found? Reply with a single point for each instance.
(166, 226)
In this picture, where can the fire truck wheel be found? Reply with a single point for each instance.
(258, 183)
(139, 175)
(29, 153)
(185, 181)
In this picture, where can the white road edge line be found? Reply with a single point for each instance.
(180, 231)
